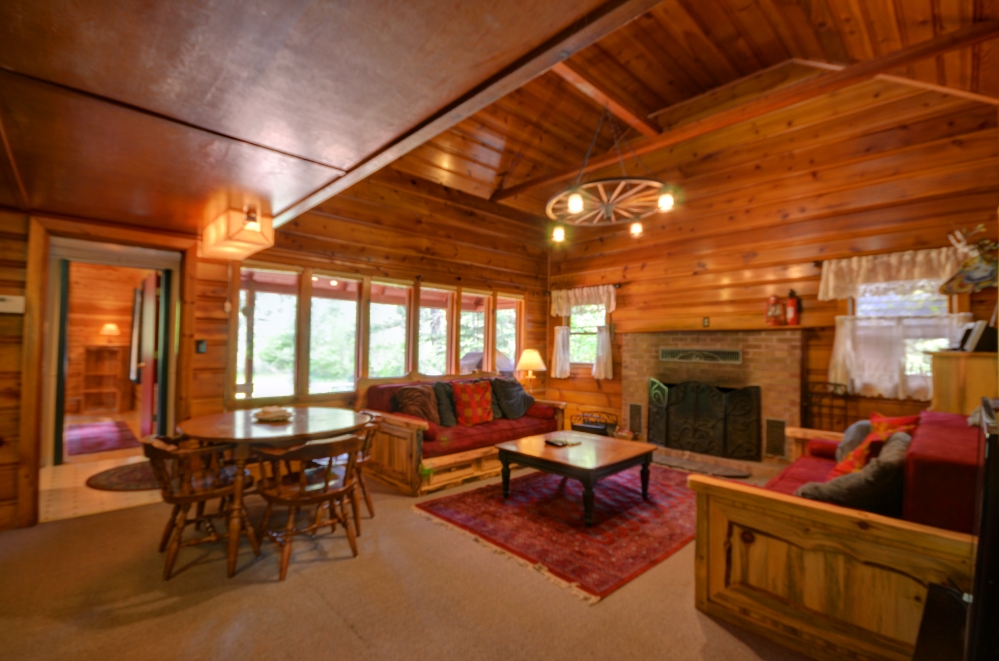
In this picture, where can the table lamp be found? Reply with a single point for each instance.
(530, 360)
(110, 330)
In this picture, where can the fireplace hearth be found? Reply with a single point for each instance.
(700, 417)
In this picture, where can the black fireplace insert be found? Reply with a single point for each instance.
(700, 417)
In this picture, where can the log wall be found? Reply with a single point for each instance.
(876, 168)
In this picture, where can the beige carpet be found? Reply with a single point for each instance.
(90, 588)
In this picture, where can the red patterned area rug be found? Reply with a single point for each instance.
(541, 523)
(93, 437)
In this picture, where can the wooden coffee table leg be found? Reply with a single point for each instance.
(506, 474)
(588, 502)
(645, 476)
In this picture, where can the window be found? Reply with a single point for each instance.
(332, 335)
(434, 305)
(472, 327)
(265, 353)
(506, 335)
(881, 351)
(910, 298)
(583, 324)
(387, 341)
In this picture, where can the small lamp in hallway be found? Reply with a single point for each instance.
(530, 360)
(110, 330)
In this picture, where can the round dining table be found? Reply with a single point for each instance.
(240, 428)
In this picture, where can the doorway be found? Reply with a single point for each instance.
(109, 356)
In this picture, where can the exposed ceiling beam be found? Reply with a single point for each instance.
(620, 109)
(782, 98)
(588, 30)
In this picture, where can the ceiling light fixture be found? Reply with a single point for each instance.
(636, 229)
(334, 283)
(237, 234)
(601, 202)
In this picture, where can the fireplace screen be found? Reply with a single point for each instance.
(700, 417)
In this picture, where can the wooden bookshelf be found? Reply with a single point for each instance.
(106, 386)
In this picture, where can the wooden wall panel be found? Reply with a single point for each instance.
(13, 260)
(207, 388)
(765, 204)
(98, 294)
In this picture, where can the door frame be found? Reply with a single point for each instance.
(37, 318)
(71, 250)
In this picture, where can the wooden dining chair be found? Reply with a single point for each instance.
(367, 433)
(307, 476)
(190, 473)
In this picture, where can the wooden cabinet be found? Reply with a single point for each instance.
(962, 378)
(106, 386)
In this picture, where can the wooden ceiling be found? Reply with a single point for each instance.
(144, 113)
(686, 59)
(147, 115)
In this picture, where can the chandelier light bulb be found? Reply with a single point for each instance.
(334, 283)
(315, 278)
(636, 229)
(666, 202)
(558, 234)
(575, 203)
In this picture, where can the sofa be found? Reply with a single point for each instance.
(834, 582)
(417, 456)
(940, 474)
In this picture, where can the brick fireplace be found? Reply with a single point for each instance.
(771, 359)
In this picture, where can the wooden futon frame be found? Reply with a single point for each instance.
(831, 582)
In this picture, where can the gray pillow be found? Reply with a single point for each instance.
(511, 397)
(852, 437)
(877, 487)
(445, 403)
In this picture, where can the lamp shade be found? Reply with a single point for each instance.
(110, 329)
(530, 359)
(237, 234)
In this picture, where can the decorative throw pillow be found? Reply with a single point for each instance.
(419, 400)
(881, 430)
(445, 403)
(473, 402)
(877, 487)
(513, 400)
(497, 411)
(852, 437)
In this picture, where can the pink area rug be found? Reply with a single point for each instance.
(541, 523)
(93, 437)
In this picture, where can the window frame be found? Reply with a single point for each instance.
(303, 331)
(568, 322)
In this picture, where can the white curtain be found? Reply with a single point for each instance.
(603, 366)
(560, 354)
(883, 356)
(841, 277)
(564, 299)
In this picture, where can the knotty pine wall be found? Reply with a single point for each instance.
(13, 260)
(98, 294)
(399, 227)
(876, 168)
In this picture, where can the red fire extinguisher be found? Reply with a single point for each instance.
(793, 309)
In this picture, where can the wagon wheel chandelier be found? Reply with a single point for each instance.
(611, 201)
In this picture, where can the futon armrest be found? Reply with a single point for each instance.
(550, 402)
(800, 436)
(399, 420)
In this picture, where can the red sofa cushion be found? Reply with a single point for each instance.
(450, 440)
(473, 402)
(941, 472)
(819, 448)
(541, 411)
(805, 469)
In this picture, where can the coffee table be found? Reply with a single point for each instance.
(593, 459)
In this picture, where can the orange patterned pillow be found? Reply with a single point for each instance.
(473, 402)
(881, 430)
